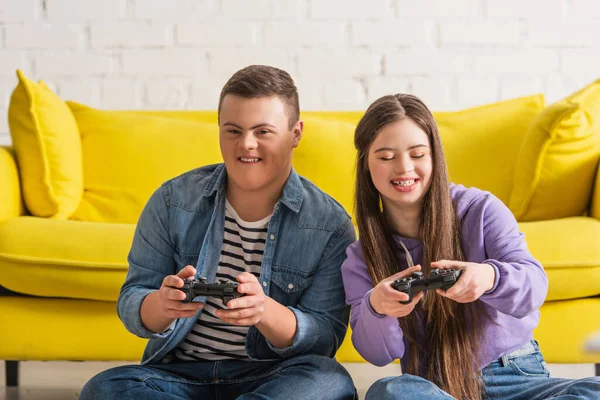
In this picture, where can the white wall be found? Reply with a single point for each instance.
(176, 54)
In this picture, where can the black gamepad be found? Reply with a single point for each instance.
(198, 287)
(417, 282)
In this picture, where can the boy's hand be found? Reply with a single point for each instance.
(247, 310)
(170, 297)
(386, 301)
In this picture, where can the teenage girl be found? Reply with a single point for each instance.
(475, 339)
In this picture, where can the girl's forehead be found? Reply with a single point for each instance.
(400, 133)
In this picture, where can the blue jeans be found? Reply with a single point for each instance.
(521, 374)
(302, 377)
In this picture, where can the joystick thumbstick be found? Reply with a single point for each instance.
(434, 271)
(417, 274)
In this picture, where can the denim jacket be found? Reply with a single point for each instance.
(307, 236)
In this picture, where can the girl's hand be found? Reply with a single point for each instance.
(386, 301)
(475, 280)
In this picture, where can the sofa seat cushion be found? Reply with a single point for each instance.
(88, 260)
(44, 257)
(564, 328)
(569, 251)
(72, 330)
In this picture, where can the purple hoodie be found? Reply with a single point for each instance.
(490, 235)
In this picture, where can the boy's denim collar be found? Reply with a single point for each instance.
(292, 191)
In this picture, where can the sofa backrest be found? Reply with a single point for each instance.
(93, 165)
(127, 155)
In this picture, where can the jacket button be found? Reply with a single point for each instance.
(265, 283)
(291, 286)
(272, 237)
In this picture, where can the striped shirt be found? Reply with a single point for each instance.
(212, 339)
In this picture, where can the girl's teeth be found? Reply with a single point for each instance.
(404, 183)
(249, 159)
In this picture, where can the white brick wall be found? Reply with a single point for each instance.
(121, 94)
(83, 10)
(533, 9)
(347, 63)
(474, 33)
(244, 9)
(131, 34)
(18, 11)
(402, 32)
(163, 62)
(81, 90)
(438, 8)
(175, 10)
(343, 54)
(306, 33)
(43, 36)
(344, 10)
(62, 63)
(11, 60)
(218, 33)
(223, 62)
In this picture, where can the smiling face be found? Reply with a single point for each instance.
(400, 164)
(256, 143)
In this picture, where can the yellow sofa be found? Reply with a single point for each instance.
(74, 182)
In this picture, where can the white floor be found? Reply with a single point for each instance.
(63, 380)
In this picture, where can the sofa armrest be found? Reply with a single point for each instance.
(11, 200)
(595, 205)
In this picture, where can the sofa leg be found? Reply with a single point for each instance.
(12, 373)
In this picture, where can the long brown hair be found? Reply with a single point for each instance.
(453, 330)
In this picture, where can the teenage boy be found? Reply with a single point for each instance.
(252, 221)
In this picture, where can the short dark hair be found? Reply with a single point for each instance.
(264, 81)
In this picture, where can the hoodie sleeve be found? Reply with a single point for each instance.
(521, 284)
(377, 338)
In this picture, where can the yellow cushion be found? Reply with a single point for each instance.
(48, 148)
(567, 248)
(127, 155)
(326, 157)
(72, 330)
(207, 117)
(44, 257)
(11, 204)
(479, 143)
(595, 204)
(557, 161)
